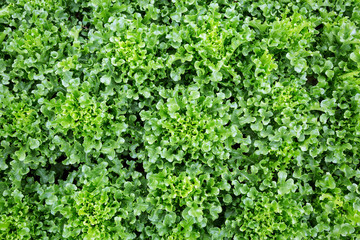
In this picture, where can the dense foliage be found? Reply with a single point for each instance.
(182, 119)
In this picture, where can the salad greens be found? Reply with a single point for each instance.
(179, 119)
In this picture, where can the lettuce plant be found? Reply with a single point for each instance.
(192, 119)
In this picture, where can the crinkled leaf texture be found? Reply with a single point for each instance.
(191, 119)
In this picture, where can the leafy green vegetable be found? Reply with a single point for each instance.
(178, 120)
